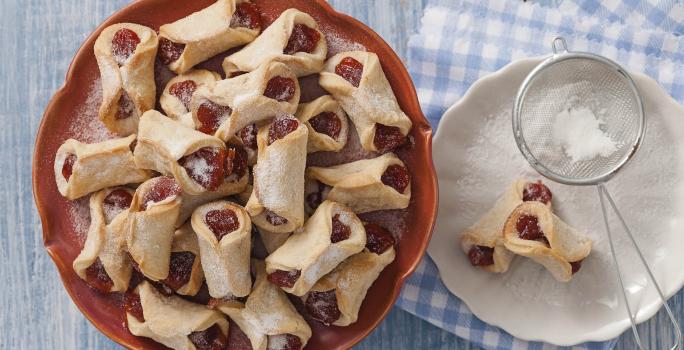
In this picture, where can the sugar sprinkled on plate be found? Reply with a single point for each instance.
(578, 132)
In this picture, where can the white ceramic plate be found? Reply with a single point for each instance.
(476, 159)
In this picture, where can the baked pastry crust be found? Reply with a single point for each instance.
(566, 244)
(279, 180)
(185, 240)
(205, 34)
(270, 44)
(225, 262)
(358, 184)
(98, 165)
(190, 202)
(170, 319)
(173, 107)
(311, 251)
(106, 240)
(135, 77)
(351, 281)
(151, 231)
(372, 102)
(267, 312)
(488, 230)
(273, 241)
(319, 141)
(244, 95)
(163, 141)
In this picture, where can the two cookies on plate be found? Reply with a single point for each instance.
(522, 223)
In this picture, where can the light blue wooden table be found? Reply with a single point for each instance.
(38, 38)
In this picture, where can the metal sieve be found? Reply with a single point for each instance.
(570, 79)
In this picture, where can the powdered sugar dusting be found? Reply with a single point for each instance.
(79, 216)
(85, 125)
(337, 43)
(277, 342)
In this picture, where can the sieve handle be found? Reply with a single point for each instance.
(559, 46)
(603, 196)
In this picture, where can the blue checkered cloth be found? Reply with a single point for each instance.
(462, 40)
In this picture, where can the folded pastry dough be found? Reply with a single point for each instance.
(227, 106)
(177, 95)
(327, 124)
(349, 283)
(151, 225)
(532, 230)
(366, 185)
(273, 241)
(106, 239)
(204, 34)
(224, 231)
(277, 200)
(165, 144)
(171, 320)
(271, 45)
(190, 202)
(126, 74)
(486, 235)
(268, 318)
(370, 103)
(331, 235)
(185, 269)
(82, 168)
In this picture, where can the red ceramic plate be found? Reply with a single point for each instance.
(72, 113)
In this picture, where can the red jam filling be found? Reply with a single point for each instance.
(205, 166)
(528, 228)
(481, 255)
(280, 89)
(163, 188)
(397, 177)
(68, 166)
(387, 137)
(133, 306)
(576, 266)
(237, 339)
(124, 43)
(211, 338)
(538, 192)
(246, 16)
(126, 107)
(211, 115)
(236, 162)
(275, 219)
(117, 201)
(327, 123)
(350, 69)
(322, 306)
(248, 135)
(284, 342)
(340, 231)
(169, 51)
(378, 238)
(285, 279)
(97, 277)
(280, 128)
(302, 39)
(180, 269)
(183, 91)
(222, 222)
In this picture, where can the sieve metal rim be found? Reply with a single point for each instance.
(558, 57)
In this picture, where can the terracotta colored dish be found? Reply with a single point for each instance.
(73, 103)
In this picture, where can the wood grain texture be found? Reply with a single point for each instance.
(39, 38)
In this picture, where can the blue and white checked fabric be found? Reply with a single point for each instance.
(462, 40)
